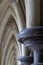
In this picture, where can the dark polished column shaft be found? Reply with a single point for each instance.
(26, 60)
(33, 39)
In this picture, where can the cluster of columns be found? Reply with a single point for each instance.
(32, 36)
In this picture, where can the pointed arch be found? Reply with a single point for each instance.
(9, 31)
(4, 21)
(6, 47)
(4, 40)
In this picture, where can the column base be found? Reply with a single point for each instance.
(26, 60)
(37, 64)
(25, 63)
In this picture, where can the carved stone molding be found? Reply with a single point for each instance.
(11, 25)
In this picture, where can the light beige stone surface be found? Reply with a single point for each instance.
(14, 17)
(32, 13)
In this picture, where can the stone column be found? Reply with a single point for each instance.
(33, 39)
(32, 13)
(23, 50)
(25, 60)
(32, 36)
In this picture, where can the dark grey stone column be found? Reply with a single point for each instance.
(33, 39)
(26, 60)
(32, 36)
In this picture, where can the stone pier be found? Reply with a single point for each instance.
(32, 36)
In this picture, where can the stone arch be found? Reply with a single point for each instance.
(5, 38)
(10, 29)
(12, 53)
(8, 49)
(8, 13)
